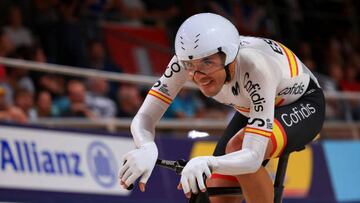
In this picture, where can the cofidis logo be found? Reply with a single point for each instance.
(102, 164)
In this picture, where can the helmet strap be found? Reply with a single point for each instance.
(228, 75)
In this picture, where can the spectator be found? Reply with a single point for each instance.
(18, 34)
(337, 108)
(52, 83)
(17, 79)
(165, 14)
(350, 83)
(185, 105)
(333, 55)
(98, 58)
(251, 18)
(77, 105)
(55, 85)
(336, 72)
(102, 106)
(129, 100)
(24, 100)
(44, 107)
(6, 45)
(10, 113)
(326, 82)
(133, 12)
(334, 108)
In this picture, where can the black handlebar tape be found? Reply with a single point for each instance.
(130, 187)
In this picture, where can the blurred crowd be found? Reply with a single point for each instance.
(324, 35)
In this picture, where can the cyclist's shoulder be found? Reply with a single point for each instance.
(254, 60)
(263, 46)
(253, 48)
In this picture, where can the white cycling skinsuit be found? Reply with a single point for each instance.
(267, 75)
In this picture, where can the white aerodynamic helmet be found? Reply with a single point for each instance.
(205, 34)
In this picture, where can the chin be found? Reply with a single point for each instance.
(209, 93)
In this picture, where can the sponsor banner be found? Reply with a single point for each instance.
(343, 162)
(48, 160)
(59, 166)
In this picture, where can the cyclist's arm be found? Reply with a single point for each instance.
(259, 85)
(156, 102)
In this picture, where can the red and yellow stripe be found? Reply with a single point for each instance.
(278, 138)
(160, 96)
(294, 69)
(278, 101)
(242, 109)
(257, 131)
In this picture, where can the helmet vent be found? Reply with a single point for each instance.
(197, 40)
(182, 43)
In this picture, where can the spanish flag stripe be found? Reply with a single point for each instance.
(295, 68)
(291, 60)
(278, 138)
(160, 96)
(274, 143)
(242, 109)
(287, 56)
(279, 102)
(283, 135)
(257, 131)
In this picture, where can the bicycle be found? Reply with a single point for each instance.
(203, 197)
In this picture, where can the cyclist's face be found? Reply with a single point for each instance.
(208, 73)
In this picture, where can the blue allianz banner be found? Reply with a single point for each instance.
(52, 165)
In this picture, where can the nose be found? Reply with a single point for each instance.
(195, 74)
(199, 76)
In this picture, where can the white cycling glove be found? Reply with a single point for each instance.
(192, 174)
(139, 163)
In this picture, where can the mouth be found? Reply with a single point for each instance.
(205, 83)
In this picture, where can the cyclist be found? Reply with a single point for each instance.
(280, 107)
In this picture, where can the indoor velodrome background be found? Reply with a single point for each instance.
(73, 73)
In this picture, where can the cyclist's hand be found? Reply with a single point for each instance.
(192, 175)
(138, 163)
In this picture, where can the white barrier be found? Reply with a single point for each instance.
(350, 130)
(82, 72)
(113, 124)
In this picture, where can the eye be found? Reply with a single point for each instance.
(208, 63)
